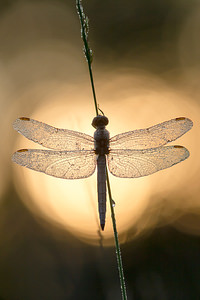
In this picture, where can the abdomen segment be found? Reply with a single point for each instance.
(101, 187)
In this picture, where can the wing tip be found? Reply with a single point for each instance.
(187, 120)
(24, 119)
(180, 118)
(16, 123)
(17, 155)
(186, 151)
(21, 150)
(178, 146)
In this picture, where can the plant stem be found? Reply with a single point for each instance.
(118, 252)
(88, 55)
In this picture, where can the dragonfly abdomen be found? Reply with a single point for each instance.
(101, 148)
(101, 187)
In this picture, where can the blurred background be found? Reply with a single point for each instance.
(146, 69)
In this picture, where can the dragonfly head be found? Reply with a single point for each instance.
(100, 121)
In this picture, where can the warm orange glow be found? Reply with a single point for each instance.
(43, 75)
(72, 204)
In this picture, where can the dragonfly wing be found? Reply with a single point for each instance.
(152, 137)
(51, 137)
(62, 164)
(138, 163)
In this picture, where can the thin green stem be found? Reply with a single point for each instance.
(118, 252)
(88, 54)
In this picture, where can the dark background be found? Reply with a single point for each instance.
(39, 261)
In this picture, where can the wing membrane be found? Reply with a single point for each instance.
(62, 164)
(152, 137)
(138, 163)
(51, 137)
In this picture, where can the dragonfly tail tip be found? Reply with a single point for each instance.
(102, 227)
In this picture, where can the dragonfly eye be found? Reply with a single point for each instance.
(100, 121)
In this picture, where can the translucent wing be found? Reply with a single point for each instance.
(152, 137)
(62, 164)
(51, 137)
(138, 163)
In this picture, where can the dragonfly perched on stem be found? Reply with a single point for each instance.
(75, 155)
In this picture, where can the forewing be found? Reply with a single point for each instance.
(138, 163)
(51, 137)
(152, 137)
(62, 164)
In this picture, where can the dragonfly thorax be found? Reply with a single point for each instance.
(101, 137)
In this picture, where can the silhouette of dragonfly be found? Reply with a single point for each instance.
(75, 155)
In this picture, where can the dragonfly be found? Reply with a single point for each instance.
(75, 155)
